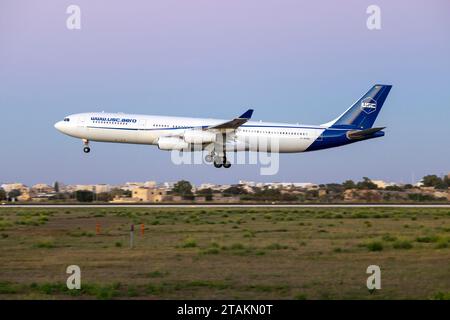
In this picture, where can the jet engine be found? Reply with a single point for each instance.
(172, 143)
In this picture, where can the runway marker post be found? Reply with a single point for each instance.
(131, 236)
(97, 228)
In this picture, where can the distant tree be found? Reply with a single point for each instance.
(394, 188)
(234, 190)
(334, 187)
(2, 194)
(366, 184)
(421, 197)
(103, 197)
(56, 186)
(14, 194)
(263, 194)
(288, 197)
(207, 193)
(434, 181)
(312, 194)
(387, 196)
(408, 186)
(349, 184)
(62, 196)
(84, 196)
(183, 188)
(120, 193)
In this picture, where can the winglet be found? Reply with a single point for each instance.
(235, 123)
(247, 114)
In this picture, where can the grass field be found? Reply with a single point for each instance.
(225, 253)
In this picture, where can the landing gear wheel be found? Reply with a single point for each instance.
(209, 158)
(220, 160)
(86, 149)
(227, 165)
(217, 165)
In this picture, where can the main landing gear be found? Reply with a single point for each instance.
(221, 162)
(218, 161)
(86, 148)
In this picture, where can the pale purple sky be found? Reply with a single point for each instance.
(291, 60)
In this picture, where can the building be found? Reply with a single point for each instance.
(145, 194)
(102, 188)
(211, 186)
(277, 185)
(119, 199)
(380, 183)
(25, 193)
(42, 188)
(8, 187)
(383, 184)
(130, 186)
(84, 187)
(247, 183)
(24, 196)
(150, 184)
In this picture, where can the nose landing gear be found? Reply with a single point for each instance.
(86, 148)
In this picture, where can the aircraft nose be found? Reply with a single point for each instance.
(59, 125)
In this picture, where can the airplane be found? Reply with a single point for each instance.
(217, 137)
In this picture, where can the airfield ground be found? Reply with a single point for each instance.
(225, 253)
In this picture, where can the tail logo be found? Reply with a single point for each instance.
(368, 105)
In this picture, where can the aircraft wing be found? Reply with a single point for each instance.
(235, 123)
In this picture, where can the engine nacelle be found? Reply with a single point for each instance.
(198, 136)
(172, 143)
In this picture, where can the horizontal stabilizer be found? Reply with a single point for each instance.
(363, 134)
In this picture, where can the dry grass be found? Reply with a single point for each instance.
(229, 253)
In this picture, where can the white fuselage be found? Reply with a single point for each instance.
(147, 129)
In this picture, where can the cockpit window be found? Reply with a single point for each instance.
(66, 119)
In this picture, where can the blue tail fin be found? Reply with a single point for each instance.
(362, 114)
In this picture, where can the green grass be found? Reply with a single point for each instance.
(300, 296)
(210, 251)
(389, 238)
(225, 253)
(402, 244)
(442, 296)
(276, 246)
(189, 243)
(7, 288)
(45, 244)
(157, 274)
(375, 246)
(427, 239)
(442, 244)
